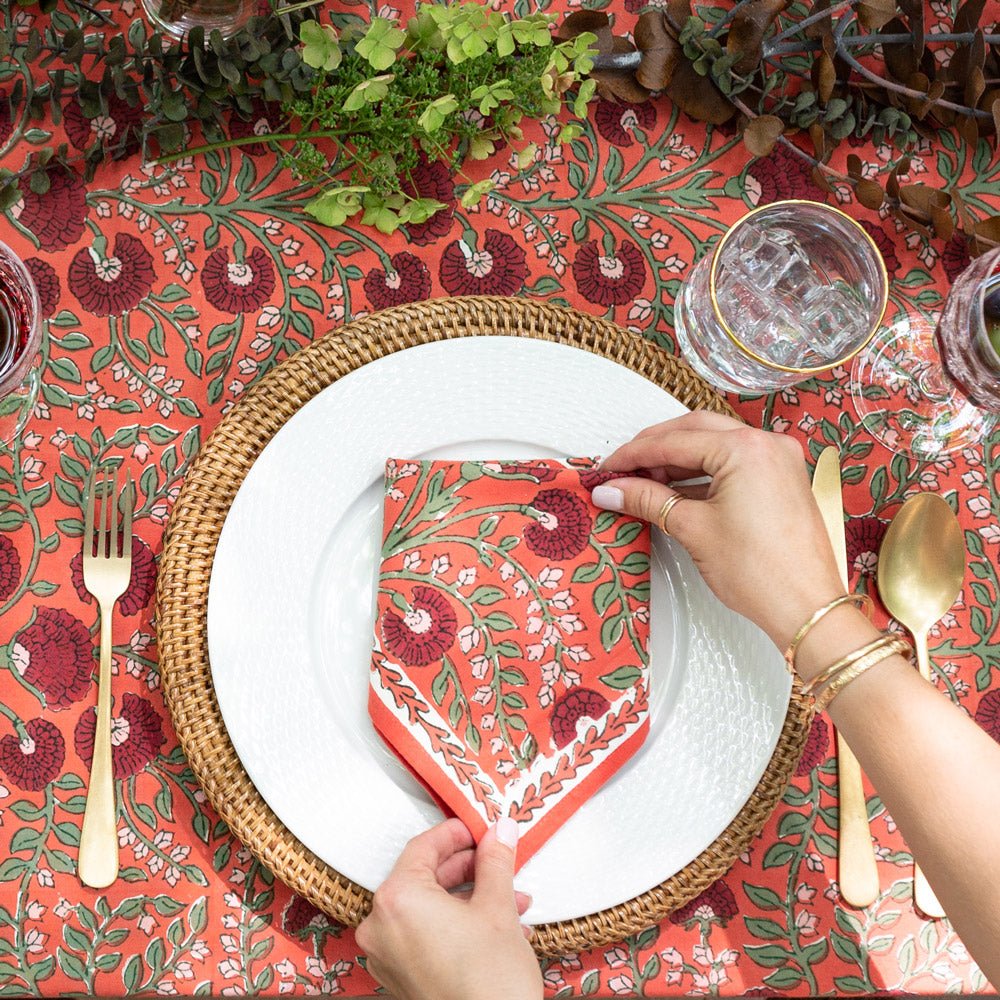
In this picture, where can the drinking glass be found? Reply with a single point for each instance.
(793, 289)
(178, 17)
(20, 335)
(924, 391)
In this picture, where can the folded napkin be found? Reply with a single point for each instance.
(510, 667)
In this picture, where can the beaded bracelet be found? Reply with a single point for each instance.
(863, 601)
(858, 665)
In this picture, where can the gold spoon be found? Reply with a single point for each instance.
(921, 566)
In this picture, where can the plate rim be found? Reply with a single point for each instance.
(188, 551)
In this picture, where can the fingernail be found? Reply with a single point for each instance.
(506, 830)
(608, 497)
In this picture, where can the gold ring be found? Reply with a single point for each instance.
(666, 509)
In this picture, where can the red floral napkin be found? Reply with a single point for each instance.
(510, 662)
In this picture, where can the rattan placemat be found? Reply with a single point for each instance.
(186, 566)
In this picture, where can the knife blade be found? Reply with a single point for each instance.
(857, 872)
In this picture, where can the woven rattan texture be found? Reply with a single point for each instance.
(186, 566)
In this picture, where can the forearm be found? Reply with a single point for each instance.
(937, 772)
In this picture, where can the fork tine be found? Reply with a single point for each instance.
(113, 545)
(127, 519)
(102, 517)
(88, 515)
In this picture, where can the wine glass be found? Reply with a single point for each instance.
(792, 289)
(177, 17)
(924, 391)
(20, 336)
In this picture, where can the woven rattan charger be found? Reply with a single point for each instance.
(186, 566)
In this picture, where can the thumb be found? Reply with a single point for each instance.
(494, 885)
(645, 498)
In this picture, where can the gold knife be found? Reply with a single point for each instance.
(857, 875)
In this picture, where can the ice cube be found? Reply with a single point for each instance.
(760, 266)
(835, 322)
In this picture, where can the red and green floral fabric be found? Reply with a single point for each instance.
(168, 292)
(487, 568)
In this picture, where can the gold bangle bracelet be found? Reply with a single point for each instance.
(860, 666)
(864, 603)
(824, 677)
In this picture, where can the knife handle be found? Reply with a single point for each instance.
(857, 873)
(923, 896)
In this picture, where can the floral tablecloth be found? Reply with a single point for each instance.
(168, 292)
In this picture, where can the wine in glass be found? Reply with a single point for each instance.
(20, 336)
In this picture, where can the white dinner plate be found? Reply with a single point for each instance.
(291, 610)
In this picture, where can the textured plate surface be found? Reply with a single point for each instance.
(291, 606)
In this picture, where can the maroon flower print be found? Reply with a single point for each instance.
(718, 900)
(46, 281)
(497, 268)
(885, 245)
(563, 529)
(136, 735)
(141, 583)
(589, 478)
(955, 256)
(864, 538)
(616, 119)
(119, 128)
(816, 748)
(10, 567)
(31, 763)
(6, 126)
(265, 117)
(431, 180)
(56, 217)
(542, 473)
(609, 279)
(112, 285)
(407, 281)
(300, 914)
(781, 174)
(55, 654)
(577, 703)
(238, 286)
(425, 633)
(988, 713)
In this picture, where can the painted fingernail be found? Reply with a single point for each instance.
(608, 497)
(506, 830)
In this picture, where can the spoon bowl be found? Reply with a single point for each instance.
(921, 564)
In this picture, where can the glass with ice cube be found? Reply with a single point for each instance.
(793, 289)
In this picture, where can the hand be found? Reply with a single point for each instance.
(426, 943)
(754, 532)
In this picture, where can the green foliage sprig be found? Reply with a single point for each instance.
(201, 82)
(454, 83)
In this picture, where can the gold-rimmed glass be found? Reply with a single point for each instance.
(793, 289)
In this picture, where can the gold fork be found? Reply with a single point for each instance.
(107, 567)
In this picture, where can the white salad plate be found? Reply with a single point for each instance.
(291, 608)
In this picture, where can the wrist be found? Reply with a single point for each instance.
(797, 609)
(841, 631)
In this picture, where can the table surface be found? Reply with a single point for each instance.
(170, 291)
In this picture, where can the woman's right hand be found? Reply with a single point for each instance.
(754, 531)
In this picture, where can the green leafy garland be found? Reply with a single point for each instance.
(360, 103)
(456, 82)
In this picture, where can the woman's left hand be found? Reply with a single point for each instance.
(425, 942)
